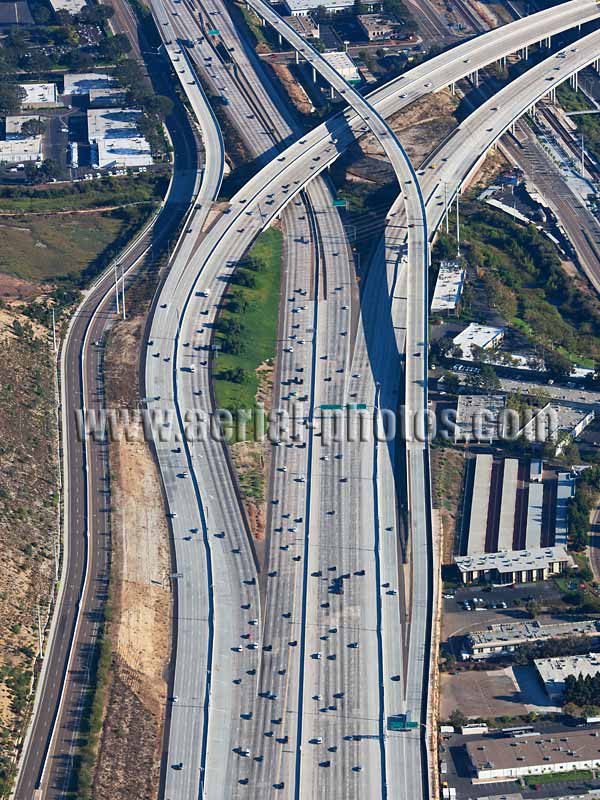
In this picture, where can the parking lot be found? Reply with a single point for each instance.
(458, 621)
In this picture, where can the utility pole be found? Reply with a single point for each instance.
(116, 287)
(582, 157)
(39, 625)
(446, 207)
(123, 288)
(457, 224)
(54, 331)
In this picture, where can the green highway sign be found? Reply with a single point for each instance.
(339, 203)
(214, 32)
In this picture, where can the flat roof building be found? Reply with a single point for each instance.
(508, 504)
(565, 489)
(448, 286)
(106, 98)
(535, 502)
(304, 7)
(115, 139)
(479, 503)
(13, 125)
(343, 65)
(495, 758)
(304, 25)
(514, 566)
(475, 335)
(81, 83)
(479, 417)
(72, 6)
(554, 671)
(536, 470)
(378, 27)
(13, 151)
(504, 638)
(40, 95)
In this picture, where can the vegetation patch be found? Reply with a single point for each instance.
(247, 326)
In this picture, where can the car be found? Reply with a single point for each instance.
(316, 656)
(316, 740)
(174, 699)
(178, 765)
(403, 95)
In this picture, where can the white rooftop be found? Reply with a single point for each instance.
(115, 135)
(304, 6)
(448, 287)
(72, 6)
(82, 83)
(342, 64)
(12, 151)
(40, 94)
(553, 671)
(483, 336)
(14, 124)
(512, 560)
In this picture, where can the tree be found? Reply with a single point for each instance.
(533, 607)
(558, 366)
(33, 127)
(81, 59)
(115, 47)
(158, 105)
(11, 97)
(457, 718)
(451, 382)
(488, 378)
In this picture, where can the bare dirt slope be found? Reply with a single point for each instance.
(129, 758)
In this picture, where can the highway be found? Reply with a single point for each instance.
(262, 205)
(266, 194)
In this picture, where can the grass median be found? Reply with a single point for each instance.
(247, 326)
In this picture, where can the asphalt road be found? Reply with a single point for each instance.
(87, 513)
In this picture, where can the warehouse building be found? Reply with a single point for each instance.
(516, 566)
(508, 504)
(479, 417)
(474, 335)
(554, 671)
(564, 491)
(495, 759)
(304, 25)
(480, 503)
(40, 95)
(504, 638)
(115, 139)
(72, 6)
(303, 7)
(378, 27)
(448, 286)
(343, 65)
(81, 83)
(535, 504)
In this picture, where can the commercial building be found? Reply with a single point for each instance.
(479, 503)
(81, 83)
(304, 25)
(508, 504)
(535, 504)
(115, 139)
(40, 95)
(14, 14)
(72, 6)
(475, 335)
(105, 98)
(557, 422)
(19, 146)
(343, 65)
(554, 671)
(536, 470)
(565, 489)
(13, 125)
(303, 7)
(448, 286)
(378, 27)
(504, 638)
(495, 758)
(14, 151)
(479, 417)
(515, 566)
